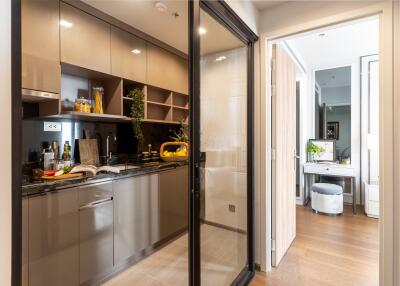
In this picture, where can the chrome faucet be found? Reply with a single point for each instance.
(108, 152)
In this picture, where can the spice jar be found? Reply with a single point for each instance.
(82, 105)
(97, 97)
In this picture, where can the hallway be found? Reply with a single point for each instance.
(329, 251)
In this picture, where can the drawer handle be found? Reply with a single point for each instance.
(96, 203)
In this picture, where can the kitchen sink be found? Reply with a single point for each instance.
(124, 167)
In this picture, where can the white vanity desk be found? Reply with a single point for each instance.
(332, 170)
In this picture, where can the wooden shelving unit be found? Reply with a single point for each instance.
(160, 105)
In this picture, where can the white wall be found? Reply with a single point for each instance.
(294, 13)
(247, 12)
(5, 119)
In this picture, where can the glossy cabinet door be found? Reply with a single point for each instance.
(54, 239)
(173, 193)
(85, 40)
(166, 70)
(40, 45)
(96, 227)
(25, 242)
(128, 56)
(134, 214)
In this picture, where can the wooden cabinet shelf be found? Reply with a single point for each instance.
(85, 116)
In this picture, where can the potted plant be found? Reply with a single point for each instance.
(313, 151)
(137, 113)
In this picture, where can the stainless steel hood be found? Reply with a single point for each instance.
(30, 95)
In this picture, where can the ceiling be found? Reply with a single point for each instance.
(267, 4)
(337, 45)
(144, 16)
(336, 77)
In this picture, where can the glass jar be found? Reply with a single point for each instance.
(97, 98)
(82, 105)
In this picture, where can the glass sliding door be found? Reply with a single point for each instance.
(222, 220)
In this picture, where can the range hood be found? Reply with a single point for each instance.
(30, 95)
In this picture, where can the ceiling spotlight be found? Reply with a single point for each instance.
(161, 7)
(321, 35)
(66, 24)
(221, 58)
(136, 51)
(202, 31)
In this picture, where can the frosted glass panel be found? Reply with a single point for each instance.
(223, 97)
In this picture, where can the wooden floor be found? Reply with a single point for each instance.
(329, 251)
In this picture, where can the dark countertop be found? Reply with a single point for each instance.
(42, 186)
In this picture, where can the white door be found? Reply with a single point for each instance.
(284, 147)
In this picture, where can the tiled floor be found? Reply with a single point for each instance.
(223, 255)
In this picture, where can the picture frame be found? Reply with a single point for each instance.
(332, 130)
(329, 147)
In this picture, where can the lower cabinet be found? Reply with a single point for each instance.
(78, 235)
(96, 230)
(53, 239)
(136, 215)
(25, 242)
(173, 193)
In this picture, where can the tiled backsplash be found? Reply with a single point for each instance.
(34, 136)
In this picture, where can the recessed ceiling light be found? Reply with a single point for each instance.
(161, 7)
(221, 58)
(136, 51)
(202, 31)
(66, 24)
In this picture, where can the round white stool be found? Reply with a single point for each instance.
(327, 198)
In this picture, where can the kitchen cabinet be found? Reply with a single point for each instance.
(136, 215)
(85, 40)
(40, 45)
(173, 193)
(166, 70)
(24, 274)
(128, 56)
(95, 231)
(53, 237)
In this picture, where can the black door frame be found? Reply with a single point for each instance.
(224, 14)
(16, 137)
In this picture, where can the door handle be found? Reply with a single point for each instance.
(96, 203)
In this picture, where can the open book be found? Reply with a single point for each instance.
(93, 169)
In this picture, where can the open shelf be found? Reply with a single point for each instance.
(159, 112)
(160, 105)
(85, 116)
(180, 100)
(179, 114)
(155, 94)
(77, 82)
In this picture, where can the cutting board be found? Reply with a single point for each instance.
(63, 177)
(88, 151)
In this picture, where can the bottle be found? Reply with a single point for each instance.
(66, 156)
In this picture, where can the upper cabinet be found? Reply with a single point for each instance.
(85, 40)
(128, 56)
(166, 70)
(40, 45)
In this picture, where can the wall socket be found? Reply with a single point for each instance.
(52, 126)
(232, 208)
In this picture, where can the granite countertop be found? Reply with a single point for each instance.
(43, 186)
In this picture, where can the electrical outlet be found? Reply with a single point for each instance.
(52, 126)
(232, 208)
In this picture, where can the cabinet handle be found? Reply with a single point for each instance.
(96, 203)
